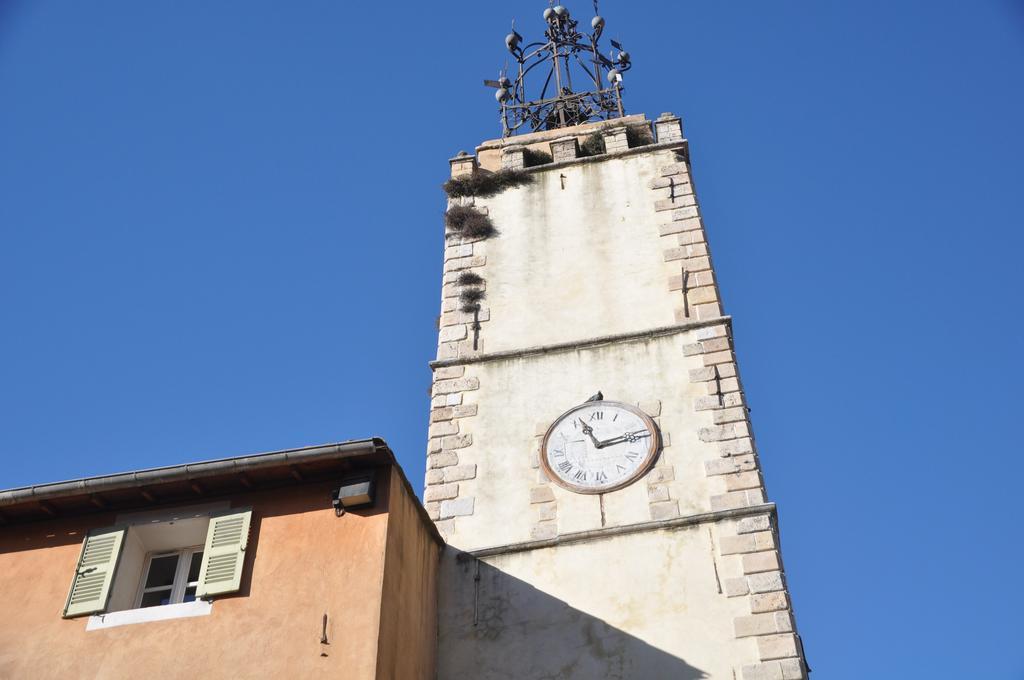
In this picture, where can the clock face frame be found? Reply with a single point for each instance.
(647, 446)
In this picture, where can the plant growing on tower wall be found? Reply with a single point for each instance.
(639, 135)
(469, 223)
(469, 279)
(470, 299)
(535, 157)
(486, 184)
(592, 145)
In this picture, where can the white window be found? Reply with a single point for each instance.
(164, 559)
(170, 577)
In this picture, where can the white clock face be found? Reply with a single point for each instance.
(599, 446)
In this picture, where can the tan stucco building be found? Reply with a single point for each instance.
(246, 567)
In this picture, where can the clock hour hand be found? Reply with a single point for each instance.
(628, 437)
(589, 431)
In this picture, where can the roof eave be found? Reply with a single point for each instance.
(194, 471)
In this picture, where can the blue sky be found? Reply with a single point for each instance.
(220, 233)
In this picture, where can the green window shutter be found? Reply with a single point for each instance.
(224, 553)
(90, 588)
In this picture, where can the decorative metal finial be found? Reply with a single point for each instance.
(564, 52)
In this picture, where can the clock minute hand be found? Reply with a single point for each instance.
(628, 437)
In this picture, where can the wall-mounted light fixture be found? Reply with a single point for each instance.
(355, 491)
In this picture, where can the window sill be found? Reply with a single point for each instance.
(163, 613)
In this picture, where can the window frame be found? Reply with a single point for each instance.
(181, 582)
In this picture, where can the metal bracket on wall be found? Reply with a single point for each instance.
(476, 328)
(684, 285)
(323, 636)
(476, 592)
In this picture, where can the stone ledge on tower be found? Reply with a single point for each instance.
(587, 142)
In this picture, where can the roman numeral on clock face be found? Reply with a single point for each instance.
(565, 466)
(580, 475)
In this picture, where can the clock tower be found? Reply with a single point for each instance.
(590, 458)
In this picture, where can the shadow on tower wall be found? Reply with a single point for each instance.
(495, 627)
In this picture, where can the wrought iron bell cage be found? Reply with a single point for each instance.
(565, 55)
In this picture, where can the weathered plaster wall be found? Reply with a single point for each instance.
(408, 626)
(302, 562)
(575, 262)
(645, 605)
(518, 398)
